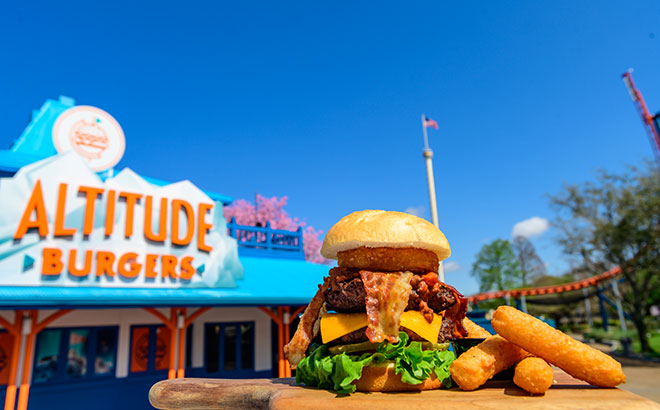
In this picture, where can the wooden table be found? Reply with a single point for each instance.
(204, 394)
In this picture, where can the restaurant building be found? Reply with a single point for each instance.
(111, 281)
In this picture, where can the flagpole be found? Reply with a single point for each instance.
(428, 157)
(426, 137)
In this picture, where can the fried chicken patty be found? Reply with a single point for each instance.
(389, 259)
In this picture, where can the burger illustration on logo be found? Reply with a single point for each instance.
(91, 133)
(89, 139)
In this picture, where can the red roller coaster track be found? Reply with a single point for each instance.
(647, 119)
(545, 290)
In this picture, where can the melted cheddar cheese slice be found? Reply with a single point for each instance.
(414, 321)
(336, 325)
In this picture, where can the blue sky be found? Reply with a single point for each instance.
(321, 102)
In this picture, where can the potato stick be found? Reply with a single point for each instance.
(575, 358)
(481, 362)
(533, 375)
(474, 330)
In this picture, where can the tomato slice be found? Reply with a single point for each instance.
(430, 278)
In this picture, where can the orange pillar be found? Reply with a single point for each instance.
(173, 324)
(24, 391)
(171, 374)
(278, 319)
(15, 331)
(36, 327)
(280, 342)
(182, 337)
(287, 335)
(182, 345)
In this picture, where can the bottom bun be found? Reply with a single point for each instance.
(383, 378)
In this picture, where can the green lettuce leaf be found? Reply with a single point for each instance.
(443, 360)
(338, 371)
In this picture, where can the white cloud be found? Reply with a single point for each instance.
(416, 210)
(531, 227)
(451, 266)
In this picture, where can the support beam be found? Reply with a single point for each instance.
(171, 373)
(619, 306)
(278, 318)
(171, 325)
(15, 331)
(587, 308)
(50, 319)
(270, 313)
(187, 321)
(195, 315)
(24, 391)
(6, 324)
(181, 328)
(32, 328)
(280, 343)
(601, 305)
(286, 318)
(177, 323)
(159, 315)
(613, 305)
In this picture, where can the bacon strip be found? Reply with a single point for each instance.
(295, 350)
(387, 297)
(457, 313)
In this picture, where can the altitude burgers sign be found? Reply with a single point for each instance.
(62, 225)
(107, 262)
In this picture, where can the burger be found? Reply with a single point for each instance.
(381, 320)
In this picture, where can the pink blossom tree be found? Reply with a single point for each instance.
(272, 210)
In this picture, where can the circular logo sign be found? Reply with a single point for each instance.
(91, 133)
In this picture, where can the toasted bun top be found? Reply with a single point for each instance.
(377, 229)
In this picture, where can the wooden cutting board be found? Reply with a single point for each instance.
(204, 394)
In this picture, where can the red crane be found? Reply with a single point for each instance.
(649, 120)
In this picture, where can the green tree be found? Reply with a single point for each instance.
(615, 221)
(497, 267)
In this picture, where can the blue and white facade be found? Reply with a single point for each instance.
(111, 281)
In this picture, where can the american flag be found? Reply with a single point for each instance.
(430, 123)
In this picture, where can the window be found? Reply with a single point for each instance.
(229, 348)
(47, 358)
(76, 365)
(104, 358)
(150, 348)
(211, 348)
(247, 346)
(67, 354)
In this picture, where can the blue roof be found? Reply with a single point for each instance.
(267, 282)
